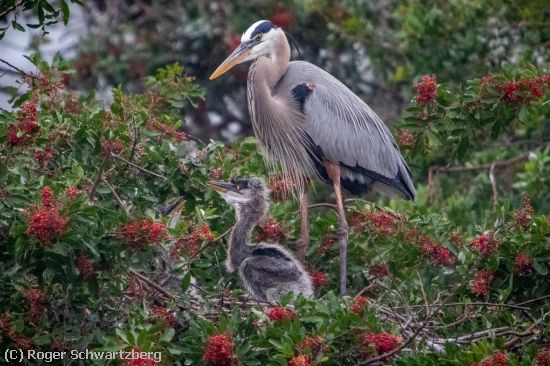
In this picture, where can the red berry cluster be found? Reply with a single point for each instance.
(280, 188)
(384, 223)
(524, 216)
(85, 265)
(27, 124)
(314, 345)
(35, 299)
(43, 157)
(218, 350)
(45, 223)
(135, 289)
(382, 342)
(485, 244)
(360, 303)
(216, 173)
(327, 242)
(543, 357)
(379, 271)
(481, 281)
(456, 238)
(191, 242)
(319, 278)
(523, 91)
(406, 139)
(300, 360)
(499, 358)
(524, 263)
(439, 255)
(139, 233)
(278, 314)
(112, 147)
(163, 315)
(18, 341)
(269, 230)
(426, 89)
(139, 361)
(72, 192)
(166, 130)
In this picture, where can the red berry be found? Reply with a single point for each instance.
(379, 270)
(360, 303)
(319, 278)
(85, 265)
(406, 139)
(426, 89)
(35, 299)
(543, 357)
(112, 146)
(278, 314)
(481, 281)
(500, 358)
(72, 192)
(163, 315)
(485, 244)
(269, 230)
(300, 360)
(382, 342)
(523, 263)
(137, 234)
(218, 350)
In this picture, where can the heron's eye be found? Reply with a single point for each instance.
(259, 37)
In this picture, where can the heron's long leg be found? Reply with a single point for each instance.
(303, 242)
(333, 171)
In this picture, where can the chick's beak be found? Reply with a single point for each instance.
(219, 186)
(235, 58)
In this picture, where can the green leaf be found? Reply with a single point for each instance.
(64, 10)
(17, 26)
(186, 281)
(523, 113)
(168, 335)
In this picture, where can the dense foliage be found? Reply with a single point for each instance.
(88, 263)
(110, 240)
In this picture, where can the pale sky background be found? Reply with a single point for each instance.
(16, 44)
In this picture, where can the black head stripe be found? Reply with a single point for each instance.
(263, 27)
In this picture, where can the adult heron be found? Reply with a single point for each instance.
(315, 127)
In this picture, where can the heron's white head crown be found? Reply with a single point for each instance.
(262, 27)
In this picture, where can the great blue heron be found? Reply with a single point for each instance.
(267, 270)
(315, 127)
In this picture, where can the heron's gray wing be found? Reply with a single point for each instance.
(347, 131)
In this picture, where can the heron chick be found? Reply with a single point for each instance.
(266, 270)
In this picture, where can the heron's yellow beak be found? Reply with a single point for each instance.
(236, 57)
(218, 186)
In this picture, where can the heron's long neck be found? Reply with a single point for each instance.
(239, 246)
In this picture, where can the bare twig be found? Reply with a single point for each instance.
(513, 306)
(138, 167)
(493, 184)
(323, 204)
(98, 178)
(117, 197)
(152, 284)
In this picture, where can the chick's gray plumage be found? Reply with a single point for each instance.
(266, 270)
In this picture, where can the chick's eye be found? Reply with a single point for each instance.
(259, 37)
